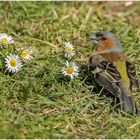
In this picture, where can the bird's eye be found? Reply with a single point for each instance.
(103, 38)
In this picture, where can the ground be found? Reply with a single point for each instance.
(38, 102)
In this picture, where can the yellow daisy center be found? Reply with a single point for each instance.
(70, 70)
(69, 49)
(24, 53)
(13, 62)
(4, 40)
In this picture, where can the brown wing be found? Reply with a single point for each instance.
(132, 74)
(110, 68)
(105, 74)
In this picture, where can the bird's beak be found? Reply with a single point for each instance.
(94, 39)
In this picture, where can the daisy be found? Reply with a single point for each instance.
(26, 53)
(13, 63)
(69, 49)
(5, 39)
(70, 70)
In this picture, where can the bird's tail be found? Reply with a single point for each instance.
(127, 103)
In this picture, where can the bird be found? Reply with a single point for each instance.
(112, 70)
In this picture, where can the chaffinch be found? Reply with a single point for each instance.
(112, 70)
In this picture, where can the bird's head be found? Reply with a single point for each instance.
(107, 42)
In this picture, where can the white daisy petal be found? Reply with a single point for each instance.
(69, 50)
(13, 63)
(67, 63)
(10, 39)
(5, 39)
(70, 70)
(26, 53)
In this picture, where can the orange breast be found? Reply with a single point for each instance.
(106, 44)
(111, 57)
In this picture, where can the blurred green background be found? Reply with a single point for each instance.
(38, 102)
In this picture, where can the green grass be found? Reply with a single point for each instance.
(38, 102)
